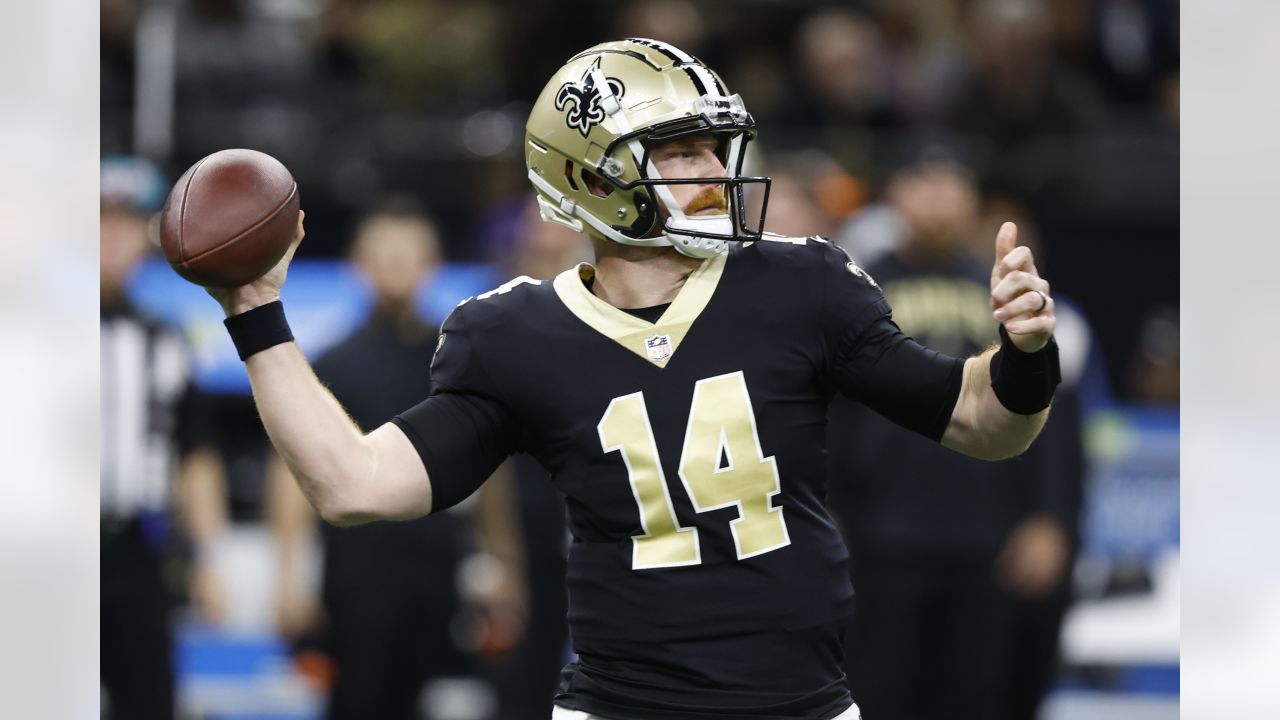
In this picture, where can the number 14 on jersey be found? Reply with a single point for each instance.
(721, 425)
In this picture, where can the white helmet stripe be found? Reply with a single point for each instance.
(713, 86)
(709, 84)
(608, 101)
(671, 50)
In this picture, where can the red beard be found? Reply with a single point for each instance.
(711, 197)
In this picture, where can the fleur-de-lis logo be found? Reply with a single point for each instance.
(585, 112)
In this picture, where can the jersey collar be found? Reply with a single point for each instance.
(655, 342)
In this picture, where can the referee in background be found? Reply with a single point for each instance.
(152, 435)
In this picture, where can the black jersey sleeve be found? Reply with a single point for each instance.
(461, 439)
(455, 367)
(899, 378)
(462, 431)
(874, 362)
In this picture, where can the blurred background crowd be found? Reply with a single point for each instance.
(905, 130)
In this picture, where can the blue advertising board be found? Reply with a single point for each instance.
(1132, 510)
(325, 298)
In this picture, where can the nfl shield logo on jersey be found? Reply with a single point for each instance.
(659, 347)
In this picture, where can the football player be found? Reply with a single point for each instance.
(676, 391)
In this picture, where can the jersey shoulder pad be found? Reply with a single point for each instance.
(473, 336)
(780, 250)
(853, 299)
(838, 255)
(492, 308)
(811, 253)
(787, 239)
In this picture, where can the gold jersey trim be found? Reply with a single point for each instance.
(630, 331)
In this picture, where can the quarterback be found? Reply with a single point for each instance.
(676, 391)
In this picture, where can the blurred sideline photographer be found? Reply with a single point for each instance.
(395, 594)
(960, 567)
(153, 431)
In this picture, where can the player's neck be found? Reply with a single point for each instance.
(639, 277)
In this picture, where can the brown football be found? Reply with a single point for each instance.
(229, 218)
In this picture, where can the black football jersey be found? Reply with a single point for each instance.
(705, 577)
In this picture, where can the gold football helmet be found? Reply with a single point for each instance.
(599, 115)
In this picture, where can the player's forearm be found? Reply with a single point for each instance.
(328, 455)
(981, 426)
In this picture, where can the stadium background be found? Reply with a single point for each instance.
(365, 100)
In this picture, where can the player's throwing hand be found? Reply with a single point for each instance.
(1019, 296)
(263, 290)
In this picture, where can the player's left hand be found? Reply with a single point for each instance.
(1019, 296)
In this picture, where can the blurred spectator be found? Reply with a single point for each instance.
(792, 210)
(960, 567)
(434, 54)
(810, 194)
(930, 192)
(922, 41)
(1155, 372)
(759, 73)
(678, 22)
(845, 86)
(395, 595)
(151, 417)
(518, 242)
(846, 72)
(242, 74)
(1020, 99)
(1134, 44)
(871, 232)
(116, 73)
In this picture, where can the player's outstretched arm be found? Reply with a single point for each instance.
(348, 476)
(999, 414)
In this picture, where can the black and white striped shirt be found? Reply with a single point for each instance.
(145, 375)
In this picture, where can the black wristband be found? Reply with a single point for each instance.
(256, 330)
(1024, 382)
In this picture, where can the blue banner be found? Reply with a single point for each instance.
(1132, 510)
(325, 298)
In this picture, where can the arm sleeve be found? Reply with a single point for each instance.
(872, 361)
(461, 439)
(462, 431)
(899, 378)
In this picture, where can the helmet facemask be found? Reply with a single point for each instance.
(725, 119)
